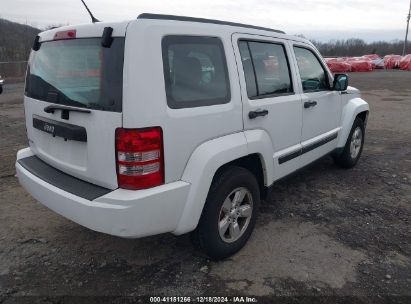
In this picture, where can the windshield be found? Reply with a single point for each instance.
(77, 72)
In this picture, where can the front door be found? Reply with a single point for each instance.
(321, 105)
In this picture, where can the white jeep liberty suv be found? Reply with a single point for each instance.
(177, 124)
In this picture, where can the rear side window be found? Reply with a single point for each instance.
(266, 69)
(313, 76)
(195, 71)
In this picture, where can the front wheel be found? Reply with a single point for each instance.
(229, 214)
(353, 147)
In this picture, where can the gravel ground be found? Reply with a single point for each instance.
(323, 231)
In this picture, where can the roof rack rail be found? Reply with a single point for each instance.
(203, 20)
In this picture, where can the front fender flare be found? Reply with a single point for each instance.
(350, 111)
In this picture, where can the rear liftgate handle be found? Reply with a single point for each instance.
(256, 113)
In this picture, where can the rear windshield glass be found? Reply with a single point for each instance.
(78, 72)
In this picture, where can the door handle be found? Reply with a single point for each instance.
(256, 113)
(309, 104)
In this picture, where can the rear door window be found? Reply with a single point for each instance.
(77, 72)
(195, 71)
(266, 69)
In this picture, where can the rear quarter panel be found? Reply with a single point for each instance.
(144, 96)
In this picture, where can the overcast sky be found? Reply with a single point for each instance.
(316, 19)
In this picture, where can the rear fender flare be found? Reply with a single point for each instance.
(201, 168)
(259, 142)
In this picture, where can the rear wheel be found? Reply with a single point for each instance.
(229, 214)
(353, 147)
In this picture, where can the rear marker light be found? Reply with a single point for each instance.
(139, 156)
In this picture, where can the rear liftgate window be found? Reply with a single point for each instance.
(77, 72)
(195, 71)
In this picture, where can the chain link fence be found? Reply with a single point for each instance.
(13, 71)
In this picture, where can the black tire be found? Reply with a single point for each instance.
(1, 89)
(207, 234)
(346, 159)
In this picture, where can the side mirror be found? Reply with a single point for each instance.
(340, 82)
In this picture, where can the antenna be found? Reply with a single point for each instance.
(93, 19)
(406, 31)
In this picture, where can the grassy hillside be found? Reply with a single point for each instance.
(15, 40)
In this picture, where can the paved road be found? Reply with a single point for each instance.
(13, 87)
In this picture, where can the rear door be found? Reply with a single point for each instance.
(73, 104)
(270, 101)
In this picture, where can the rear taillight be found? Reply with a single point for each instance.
(139, 156)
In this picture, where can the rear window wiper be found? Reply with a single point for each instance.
(52, 108)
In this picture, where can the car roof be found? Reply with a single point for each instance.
(203, 20)
(120, 28)
(232, 26)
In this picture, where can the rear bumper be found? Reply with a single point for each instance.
(120, 212)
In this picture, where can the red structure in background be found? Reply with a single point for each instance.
(338, 66)
(360, 64)
(405, 63)
(368, 63)
(392, 61)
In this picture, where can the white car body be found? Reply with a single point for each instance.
(197, 140)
